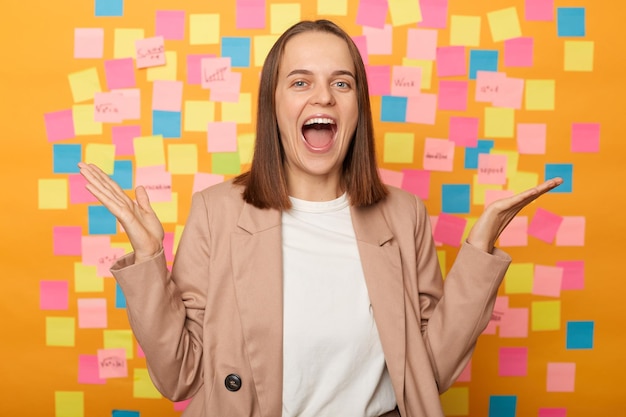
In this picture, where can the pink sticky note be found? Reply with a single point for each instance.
(372, 13)
(434, 14)
(463, 131)
(112, 363)
(150, 52)
(379, 79)
(421, 44)
(451, 61)
(547, 280)
(59, 125)
(361, 44)
(120, 73)
(514, 323)
(228, 91)
(92, 247)
(416, 181)
(561, 376)
(571, 231)
(88, 371)
(438, 155)
(499, 309)
(466, 374)
(406, 81)
(170, 24)
(122, 137)
(222, 137)
(449, 229)
(131, 109)
(92, 313)
(108, 107)
(531, 138)
(452, 95)
(250, 14)
(573, 275)
(515, 233)
(553, 412)
(181, 405)
(379, 40)
(493, 195)
(422, 109)
(167, 95)
(491, 169)
(53, 295)
(204, 180)
(518, 52)
(168, 246)
(157, 182)
(585, 137)
(510, 93)
(542, 10)
(513, 361)
(67, 240)
(215, 71)
(78, 192)
(194, 68)
(106, 259)
(389, 177)
(88, 42)
(140, 352)
(544, 225)
(487, 85)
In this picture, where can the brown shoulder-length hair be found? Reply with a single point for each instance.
(265, 184)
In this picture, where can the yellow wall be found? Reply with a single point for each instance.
(37, 57)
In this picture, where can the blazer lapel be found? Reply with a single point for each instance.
(383, 276)
(257, 272)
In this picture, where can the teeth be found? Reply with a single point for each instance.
(319, 120)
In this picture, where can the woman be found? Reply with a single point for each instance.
(305, 287)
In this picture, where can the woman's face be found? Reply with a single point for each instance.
(316, 108)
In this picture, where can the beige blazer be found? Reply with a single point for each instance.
(215, 322)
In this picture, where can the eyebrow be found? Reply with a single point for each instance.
(334, 73)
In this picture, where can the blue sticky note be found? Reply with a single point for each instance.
(101, 221)
(564, 171)
(66, 158)
(482, 60)
(166, 123)
(570, 21)
(123, 174)
(579, 335)
(455, 198)
(120, 298)
(125, 413)
(471, 154)
(109, 7)
(502, 405)
(393, 109)
(238, 49)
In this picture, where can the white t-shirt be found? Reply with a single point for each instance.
(333, 362)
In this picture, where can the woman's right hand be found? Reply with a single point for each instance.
(137, 217)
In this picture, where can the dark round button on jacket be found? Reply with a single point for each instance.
(233, 382)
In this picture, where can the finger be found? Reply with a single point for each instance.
(102, 186)
(143, 199)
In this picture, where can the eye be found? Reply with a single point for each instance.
(299, 84)
(342, 84)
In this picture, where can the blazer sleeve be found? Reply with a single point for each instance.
(166, 310)
(453, 319)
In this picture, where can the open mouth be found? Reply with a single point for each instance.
(319, 133)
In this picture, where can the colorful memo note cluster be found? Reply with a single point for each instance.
(168, 96)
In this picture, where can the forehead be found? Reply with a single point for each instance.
(315, 49)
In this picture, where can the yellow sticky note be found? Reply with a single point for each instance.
(204, 29)
(519, 278)
(545, 315)
(539, 94)
(464, 30)
(197, 115)
(167, 72)
(60, 331)
(262, 46)
(471, 221)
(504, 24)
(499, 122)
(427, 70)
(522, 181)
(69, 404)
(579, 55)
(398, 148)
(479, 190)
(84, 84)
(128, 248)
(119, 339)
(53, 193)
(86, 278)
(142, 385)
(245, 146)
(182, 158)
(455, 401)
(178, 233)
(512, 159)
(84, 120)
(240, 112)
(102, 155)
(282, 16)
(332, 7)
(167, 211)
(404, 12)
(124, 42)
(441, 257)
(149, 151)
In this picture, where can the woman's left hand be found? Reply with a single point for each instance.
(499, 214)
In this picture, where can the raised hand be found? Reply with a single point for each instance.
(499, 214)
(137, 217)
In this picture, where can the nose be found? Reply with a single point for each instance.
(323, 95)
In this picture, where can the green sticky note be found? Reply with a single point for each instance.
(225, 163)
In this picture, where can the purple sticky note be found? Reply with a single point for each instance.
(167, 95)
(194, 68)
(513, 361)
(53, 295)
(464, 131)
(531, 138)
(416, 181)
(120, 73)
(122, 138)
(452, 95)
(379, 79)
(88, 42)
(222, 137)
(421, 44)
(544, 225)
(422, 109)
(561, 377)
(78, 192)
(451, 61)
(372, 13)
(434, 14)
(540, 10)
(573, 275)
(585, 137)
(518, 52)
(88, 371)
(67, 240)
(170, 24)
(59, 125)
(514, 323)
(449, 229)
(547, 280)
(250, 14)
(92, 313)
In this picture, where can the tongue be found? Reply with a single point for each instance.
(318, 137)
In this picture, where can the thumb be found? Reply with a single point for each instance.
(142, 198)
